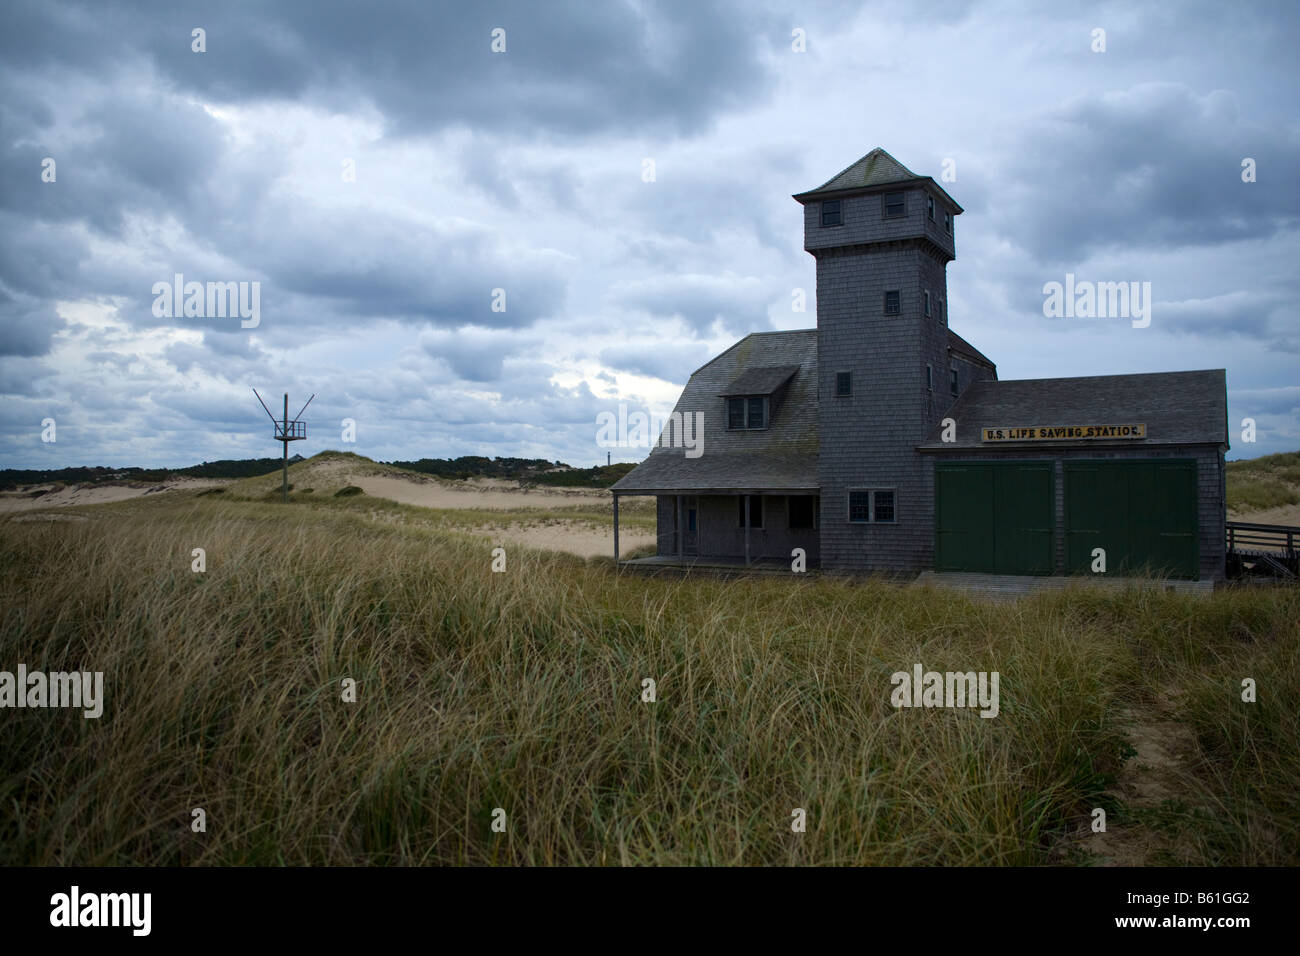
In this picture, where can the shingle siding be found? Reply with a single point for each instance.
(869, 441)
(886, 434)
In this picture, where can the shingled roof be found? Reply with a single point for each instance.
(963, 348)
(877, 168)
(1178, 408)
(781, 457)
(761, 381)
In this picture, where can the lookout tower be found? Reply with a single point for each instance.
(882, 237)
(287, 430)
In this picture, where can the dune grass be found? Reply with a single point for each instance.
(522, 690)
(1258, 484)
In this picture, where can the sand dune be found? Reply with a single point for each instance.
(23, 500)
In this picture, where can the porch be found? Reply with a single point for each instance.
(725, 529)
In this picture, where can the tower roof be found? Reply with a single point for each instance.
(877, 168)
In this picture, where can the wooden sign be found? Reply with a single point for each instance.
(1063, 432)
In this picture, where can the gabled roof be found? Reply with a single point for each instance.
(763, 380)
(1178, 408)
(877, 168)
(781, 457)
(963, 348)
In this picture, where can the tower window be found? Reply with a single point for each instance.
(929, 208)
(947, 223)
(929, 377)
(941, 319)
(831, 212)
(895, 205)
(843, 383)
(871, 506)
(953, 373)
(927, 301)
(892, 302)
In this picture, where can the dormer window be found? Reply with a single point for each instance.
(755, 396)
(747, 412)
(895, 205)
(831, 212)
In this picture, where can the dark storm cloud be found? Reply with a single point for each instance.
(474, 355)
(737, 303)
(1156, 166)
(672, 363)
(570, 67)
(26, 329)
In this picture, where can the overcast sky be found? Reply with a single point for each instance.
(524, 170)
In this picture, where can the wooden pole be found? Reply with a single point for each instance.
(681, 530)
(284, 438)
(616, 530)
(746, 530)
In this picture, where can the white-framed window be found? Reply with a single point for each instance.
(872, 506)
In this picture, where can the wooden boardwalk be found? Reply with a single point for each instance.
(1015, 585)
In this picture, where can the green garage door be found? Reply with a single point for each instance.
(994, 517)
(1142, 513)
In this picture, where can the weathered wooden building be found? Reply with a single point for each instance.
(883, 441)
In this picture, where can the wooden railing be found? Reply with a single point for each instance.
(1269, 548)
(1279, 539)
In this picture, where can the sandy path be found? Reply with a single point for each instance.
(434, 494)
(582, 540)
(1286, 514)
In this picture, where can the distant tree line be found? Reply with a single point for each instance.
(226, 468)
(536, 471)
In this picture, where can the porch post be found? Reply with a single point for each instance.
(615, 528)
(681, 529)
(746, 530)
